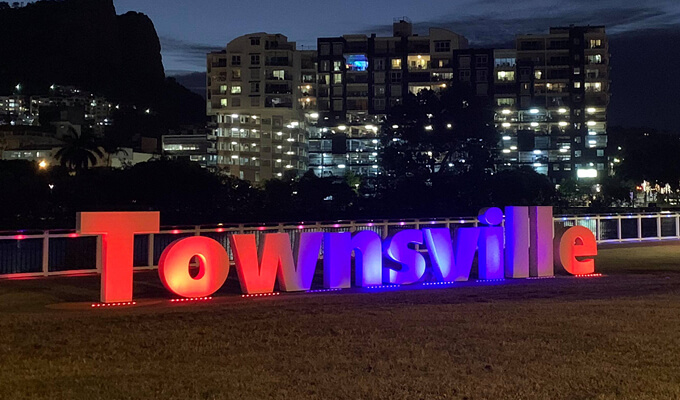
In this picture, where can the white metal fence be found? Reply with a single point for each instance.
(31, 254)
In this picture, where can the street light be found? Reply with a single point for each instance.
(43, 164)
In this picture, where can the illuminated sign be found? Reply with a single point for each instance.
(523, 247)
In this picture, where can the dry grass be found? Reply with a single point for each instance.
(565, 338)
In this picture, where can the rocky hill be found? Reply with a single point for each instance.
(85, 44)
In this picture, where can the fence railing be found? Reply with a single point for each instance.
(30, 254)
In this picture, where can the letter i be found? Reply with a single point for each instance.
(491, 244)
(516, 242)
(541, 242)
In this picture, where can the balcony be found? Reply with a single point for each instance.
(285, 77)
(278, 102)
(279, 62)
(277, 89)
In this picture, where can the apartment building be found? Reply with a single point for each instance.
(551, 95)
(360, 78)
(261, 98)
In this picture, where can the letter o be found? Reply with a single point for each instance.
(173, 267)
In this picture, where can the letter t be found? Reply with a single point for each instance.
(118, 231)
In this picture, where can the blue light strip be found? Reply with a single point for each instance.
(383, 286)
(490, 280)
(322, 290)
(438, 283)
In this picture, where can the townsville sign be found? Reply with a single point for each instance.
(525, 246)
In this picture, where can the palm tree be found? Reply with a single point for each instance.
(80, 150)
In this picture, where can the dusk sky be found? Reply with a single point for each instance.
(188, 30)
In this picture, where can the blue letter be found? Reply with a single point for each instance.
(412, 262)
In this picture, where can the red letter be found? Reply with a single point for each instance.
(577, 241)
(117, 230)
(173, 267)
(277, 261)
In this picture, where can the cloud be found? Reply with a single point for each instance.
(186, 53)
(491, 22)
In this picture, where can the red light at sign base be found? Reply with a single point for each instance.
(175, 231)
(73, 235)
(190, 299)
(588, 276)
(541, 277)
(128, 303)
(20, 237)
(220, 230)
(260, 295)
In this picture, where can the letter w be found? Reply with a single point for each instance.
(257, 272)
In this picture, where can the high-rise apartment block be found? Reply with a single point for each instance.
(551, 96)
(360, 79)
(259, 100)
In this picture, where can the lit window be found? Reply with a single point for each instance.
(236, 89)
(337, 79)
(505, 101)
(223, 89)
(337, 66)
(595, 59)
(396, 63)
(356, 62)
(506, 76)
(593, 86)
(223, 102)
(538, 74)
(279, 74)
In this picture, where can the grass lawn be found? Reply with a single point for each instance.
(616, 337)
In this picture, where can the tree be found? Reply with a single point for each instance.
(450, 131)
(80, 151)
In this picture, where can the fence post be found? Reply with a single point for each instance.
(150, 251)
(658, 226)
(46, 253)
(639, 227)
(618, 228)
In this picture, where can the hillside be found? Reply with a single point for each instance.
(84, 43)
